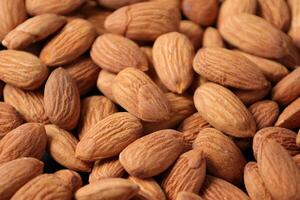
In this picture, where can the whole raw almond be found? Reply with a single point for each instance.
(173, 55)
(61, 99)
(61, 146)
(9, 119)
(212, 38)
(295, 18)
(33, 30)
(188, 196)
(224, 159)
(104, 83)
(72, 178)
(131, 20)
(193, 31)
(152, 154)
(73, 40)
(139, 95)
(14, 174)
(30, 104)
(290, 116)
(114, 53)
(27, 140)
(187, 174)
(224, 111)
(109, 136)
(22, 69)
(229, 68)
(110, 188)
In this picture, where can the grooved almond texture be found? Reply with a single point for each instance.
(72, 178)
(173, 55)
(115, 53)
(9, 119)
(193, 31)
(295, 22)
(188, 196)
(61, 146)
(152, 154)
(131, 20)
(223, 110)
(22, 69)
(27, 140)
(109, 137)
(61, 99)
(139, 95)
(104, 83)
(16, 173)
(228, 68)
(290, 116)
(72, 41)
(212, 38)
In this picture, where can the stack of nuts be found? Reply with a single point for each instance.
(150, 100)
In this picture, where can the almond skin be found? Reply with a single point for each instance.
(109, 136)
(188, 196)
(115, 4)
(187, 174)
(193, 31)
(110, 188)
(61, 146)
(9, 120)
(223, 110)
(295, 27)
(152, 154)
(16, 173)
(27, 140)
(72, 41)
(212, 38)
(114, 53)
(22, 69)
(173, 55)
(289, 118)
(33, 30)
(62, 100)
(72, 178)
(229, 69)
(139, 95)
(131, 20)
(104, 83)
(224, 159)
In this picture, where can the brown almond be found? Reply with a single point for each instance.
(193, 31)
(72, 178)
(9, 119)
(188, 196)
(289, 118)
(212, 38)
(115, 4)
(104, 83)
(295, 27)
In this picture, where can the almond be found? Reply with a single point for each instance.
(188, 196)
(14, 174)
(212, 38)
(223, 110)
(173, 54)
(70, 177)
(228, 68)
(62, 100)
(131, 20)
(289, 118)
(139, 95)
(152, 154)
(22, 69)
(72, 41)
(115, 53)
(27, 140)
(115, 4)
(295, 27)
(109, 137)
(9, 120)
(193, 31)
(104, 83)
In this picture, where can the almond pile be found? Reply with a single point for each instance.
(150, 99)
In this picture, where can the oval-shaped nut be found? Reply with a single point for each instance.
(254, 184)
(143, 21)
(45, 186)
(115, 4)
(72, 178)
(104, 83)
(22, 69)
(114, 53)
(202, 12)
(229, 68)
(110, 188)
(109, 136)
(265, 113)
(38, 7)
(152, 154)
(187, 174)
(139, 95)
(94, 109)
(290, 116)
(212, 38)
(193, 31)
(61, 99)
(14, 174)
(295, 18)
(288, 89)
(33, 30)
(30, 104)
(218, 189)
(278, 170)
(85, 73)
(173, 55)
(224, 159)
(106, 168)
(27, 140)
(149, 189)
(61, 146)
(223, 110)
(9, 119)
(187, 196)
(72, 41)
